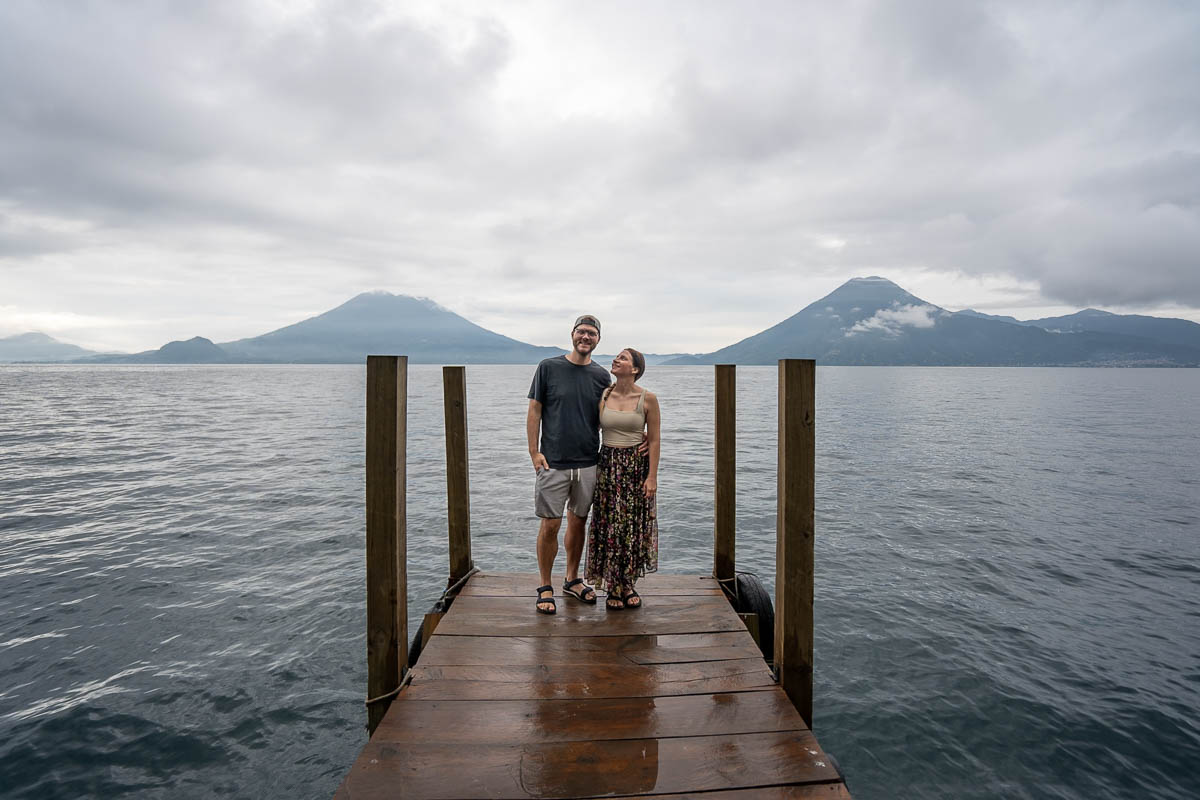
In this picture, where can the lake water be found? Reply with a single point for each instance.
(1008, 569)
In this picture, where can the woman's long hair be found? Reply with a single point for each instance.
(639, 362)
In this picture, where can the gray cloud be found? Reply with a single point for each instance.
(474, 155)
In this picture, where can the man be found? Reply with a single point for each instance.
(564, 407)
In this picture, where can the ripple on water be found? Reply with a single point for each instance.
(1005, 598)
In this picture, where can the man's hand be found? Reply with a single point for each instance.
(644, 447)
(539, 462)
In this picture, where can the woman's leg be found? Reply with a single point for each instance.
(614, 600)
(630, 596)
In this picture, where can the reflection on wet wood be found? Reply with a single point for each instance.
(812, 791)
(503, 616)
(667, 701)
(506, 721)
(587, 768)
(655, 580)
(510, 605)
(595, 650)
(650, 586)
(561, 681)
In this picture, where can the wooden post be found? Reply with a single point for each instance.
(724, 474)
(794, 532)
(387, 548)
(458, 490)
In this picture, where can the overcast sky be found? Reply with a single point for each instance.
(690, 172)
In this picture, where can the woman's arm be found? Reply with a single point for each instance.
(603, 399)
(652, 440)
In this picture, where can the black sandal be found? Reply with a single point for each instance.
(632, 594)
(540, 600)
(580, 594)
(612, 598)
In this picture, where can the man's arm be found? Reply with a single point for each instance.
(533, 427)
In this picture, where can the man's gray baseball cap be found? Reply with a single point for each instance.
(587, 319)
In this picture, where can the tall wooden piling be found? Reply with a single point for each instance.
(458, 489)
(794, 532)
(386, 547)
(724, 472)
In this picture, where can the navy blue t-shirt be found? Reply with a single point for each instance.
(570, 398)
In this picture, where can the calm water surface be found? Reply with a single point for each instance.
(1008, 569)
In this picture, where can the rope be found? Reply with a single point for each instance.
(733, 592)
(457, 584)
(454, 587)
(389, 695)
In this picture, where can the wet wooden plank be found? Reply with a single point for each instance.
(522, 605)
(817, 791)
(535, 682)
(525, 589)
(672, 700)
(656, 580)
(488, 585)
(507, 721)
(500, 651)
(668, 655)
(478, 616)
(442, 771)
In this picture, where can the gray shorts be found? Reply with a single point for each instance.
(552, 488)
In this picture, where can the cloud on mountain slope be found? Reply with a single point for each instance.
(892, 321)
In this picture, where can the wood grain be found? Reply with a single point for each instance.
(794, 532)
(501, 651)
(724, 470)
(386, 545)
(576, 619)
(491, 586)
(458, 489)
(655, 579)
(438, 771)
(505, 721)
(811, 791)
(581, 681)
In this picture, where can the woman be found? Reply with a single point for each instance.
(623, 545)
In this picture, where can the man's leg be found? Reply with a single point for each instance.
(547, 549)
(580, 503)
(549, 496)
(574, 540)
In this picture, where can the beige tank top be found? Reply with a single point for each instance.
(623, 428)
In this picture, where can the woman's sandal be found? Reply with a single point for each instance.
(537, 604)
(614, 603)
(632, 596)
(580, 594)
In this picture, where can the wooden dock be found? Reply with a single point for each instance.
(670, 700)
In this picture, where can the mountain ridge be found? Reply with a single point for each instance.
(196, 350)
(35, 346)
(865, 321)
(382, 322)
(872, 321)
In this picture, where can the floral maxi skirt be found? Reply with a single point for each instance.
(623, 540)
